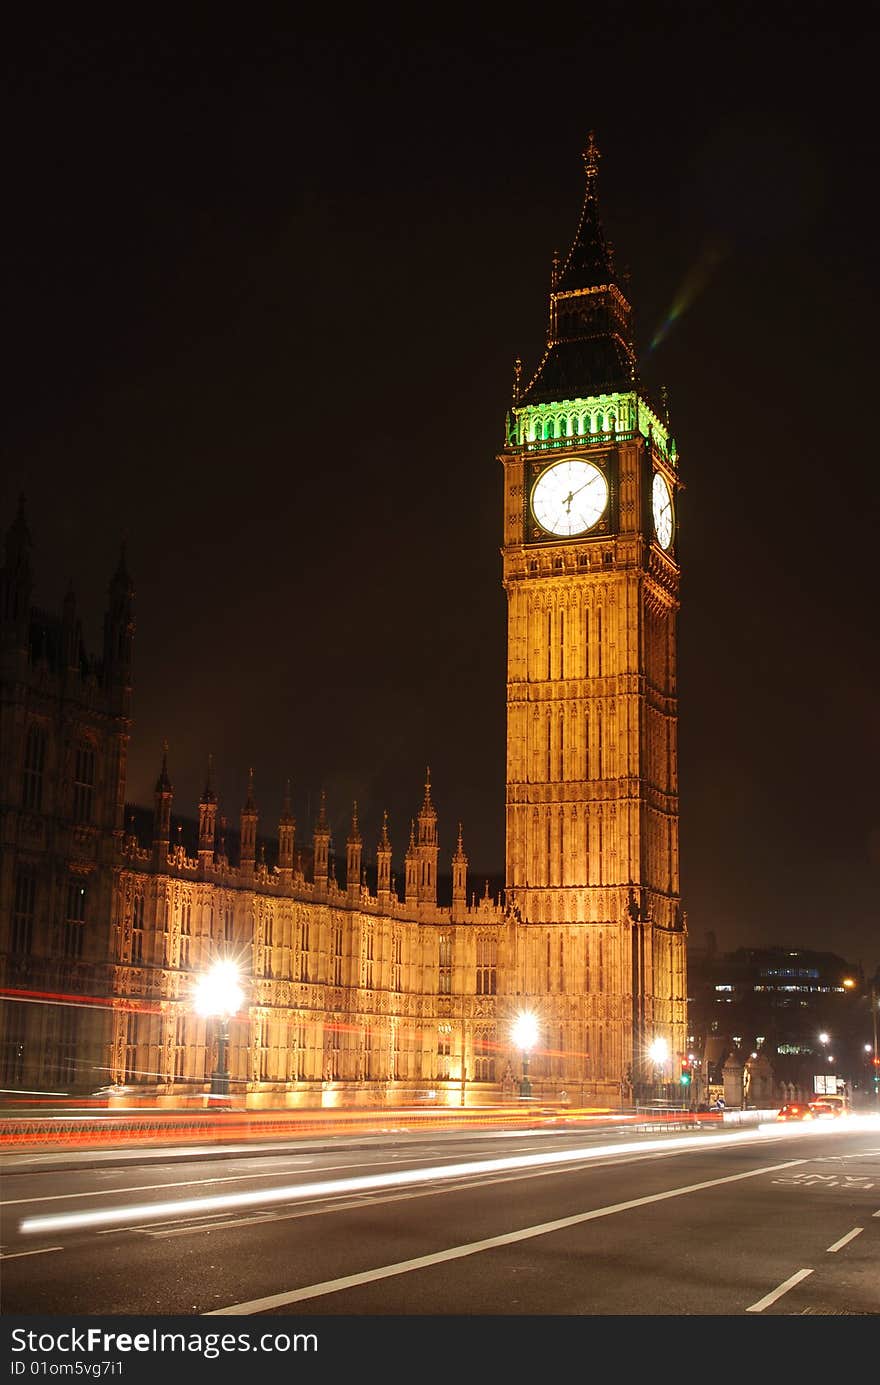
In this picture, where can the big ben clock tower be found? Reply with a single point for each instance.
(590, 567)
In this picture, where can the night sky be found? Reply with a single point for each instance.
(263, 293)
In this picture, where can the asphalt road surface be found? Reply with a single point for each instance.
(748, 1222)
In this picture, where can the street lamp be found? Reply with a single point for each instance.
(525, 1036)
(218, 996)
(658, 1052)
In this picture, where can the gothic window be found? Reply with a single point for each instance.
(83, 783)
(131, 1032)
(34, 763)
(185, 934)
(586, 745)
(74, 918)
(368, 1053)
(297, 1060)
(549, 979)
(137, 929)
(180, 1036)
(332, 1049)
(445, 960)
(303, 949)
(228, 924)
(394, 1053)
(62, 1053)
(588, 944)
(23, 911)
(264, 1052)
(487, 962)
(12, 1046)
(337, 954)
(484, 1057)
(444, 1051)
(601, 963)
(396, 962)
(368, 958)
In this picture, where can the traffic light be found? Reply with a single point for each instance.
(685, 1077)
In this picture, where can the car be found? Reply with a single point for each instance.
(828, 1107)
(794, 1111)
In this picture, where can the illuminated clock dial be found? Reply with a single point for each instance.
(661, 504)
(569, 497)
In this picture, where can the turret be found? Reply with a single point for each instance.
(119, 635)
(383, 862)
(207, 820)
(459, 881)
(428, 850)
(221, 858)
(248, 832)
(321, 842)
(162, 798)
(70, 633)
(16, 583)
(286, 838)
(411, 866)
(354, 848)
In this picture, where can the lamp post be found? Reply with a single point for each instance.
(876, 1062)
(218, 996)
(525, 1036)
(658, 1052)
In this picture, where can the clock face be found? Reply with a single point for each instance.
(569, 498)
(661, 504)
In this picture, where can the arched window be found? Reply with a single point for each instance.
(34, 762)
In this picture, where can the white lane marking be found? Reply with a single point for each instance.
(188, 1183)
(66, 1221)
(332, 1286)
(777, 1293)
(20, 1254)
(844, 1240)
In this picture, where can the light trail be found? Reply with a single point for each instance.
(126, 1215)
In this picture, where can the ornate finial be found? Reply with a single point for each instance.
(321, 824)
(355, 831)
(554, 272)
(459, 850)
(664, 400)
(384, 840)
(591, 157)
(412, 833)
(517, 375)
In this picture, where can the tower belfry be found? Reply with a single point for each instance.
(591, 571)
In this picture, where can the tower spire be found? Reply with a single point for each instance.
(589, 349)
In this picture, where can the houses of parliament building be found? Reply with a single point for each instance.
(363, 995)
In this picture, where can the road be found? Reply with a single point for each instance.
(748, 1222)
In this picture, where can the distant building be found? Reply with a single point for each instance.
(776, 1002)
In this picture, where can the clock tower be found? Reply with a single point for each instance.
(591, 572)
